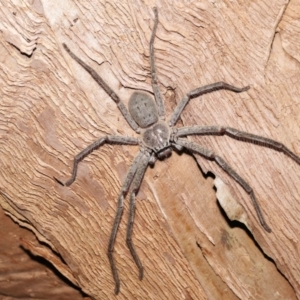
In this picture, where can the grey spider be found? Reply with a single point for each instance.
(157, 140)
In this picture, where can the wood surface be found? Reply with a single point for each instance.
(51, 109)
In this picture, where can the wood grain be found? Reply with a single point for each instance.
(51, 109)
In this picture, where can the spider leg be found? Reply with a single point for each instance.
(106, 88)
(110, 139)
(201, 91)
(135, 188)
(159, 101)
(210, 155)
(238, 135)
(124, 190)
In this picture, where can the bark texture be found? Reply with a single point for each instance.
(51, 109)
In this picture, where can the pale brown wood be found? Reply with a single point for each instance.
(51, 109)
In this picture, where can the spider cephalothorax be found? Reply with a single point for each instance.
(157, 140)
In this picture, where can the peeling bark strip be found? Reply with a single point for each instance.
(50, 108)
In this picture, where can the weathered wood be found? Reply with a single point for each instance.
(51, 109)
(23, 276)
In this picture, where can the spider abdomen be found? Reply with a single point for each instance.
(143, 109)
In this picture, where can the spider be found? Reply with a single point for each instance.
(157, 140)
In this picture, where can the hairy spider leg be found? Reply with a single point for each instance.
(238, 135)
(135, 186)
(110, 139)
(220, 161)
(157, 95)
(241, 136)
(124, 190)
(201, 91)
(107, 89)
